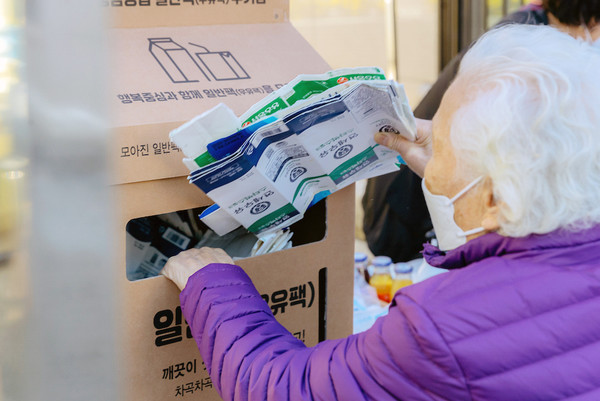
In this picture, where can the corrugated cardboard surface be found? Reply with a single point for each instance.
(155, 90)
(161, 362)
(155, 13)
(162, 78)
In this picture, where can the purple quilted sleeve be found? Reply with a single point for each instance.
(250, 356)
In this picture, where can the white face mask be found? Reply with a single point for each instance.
(441, 210)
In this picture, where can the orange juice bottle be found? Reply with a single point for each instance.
(402, 277)
(382, 278)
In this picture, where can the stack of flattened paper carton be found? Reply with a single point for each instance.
(173, 60)
(268, 173)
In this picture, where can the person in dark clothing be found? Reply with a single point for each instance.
(396, 222)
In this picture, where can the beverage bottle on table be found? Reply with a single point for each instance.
(360, 265)
(365, 296)
(402, 277)
(381, 278)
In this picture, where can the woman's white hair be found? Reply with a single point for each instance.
(531, 123)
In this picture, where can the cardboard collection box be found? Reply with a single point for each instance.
(174, 59)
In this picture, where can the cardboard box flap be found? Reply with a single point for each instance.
(156, 13)
(308, 288)
(166, 76)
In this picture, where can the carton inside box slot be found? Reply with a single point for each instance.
(152, 240)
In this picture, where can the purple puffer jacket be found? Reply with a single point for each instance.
(517, 319)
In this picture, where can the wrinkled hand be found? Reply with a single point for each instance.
(181, 267)
(416, 154)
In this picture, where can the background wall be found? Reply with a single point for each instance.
(400, 36)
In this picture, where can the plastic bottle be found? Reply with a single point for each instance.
(381, 278)
(402, 277)
(365, 296)
(360, 265)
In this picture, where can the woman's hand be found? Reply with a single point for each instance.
(416, 154)
(181, 267)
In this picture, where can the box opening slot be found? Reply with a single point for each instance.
(152, 240)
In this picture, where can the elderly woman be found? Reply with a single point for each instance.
(513, 187)
(396, 221)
